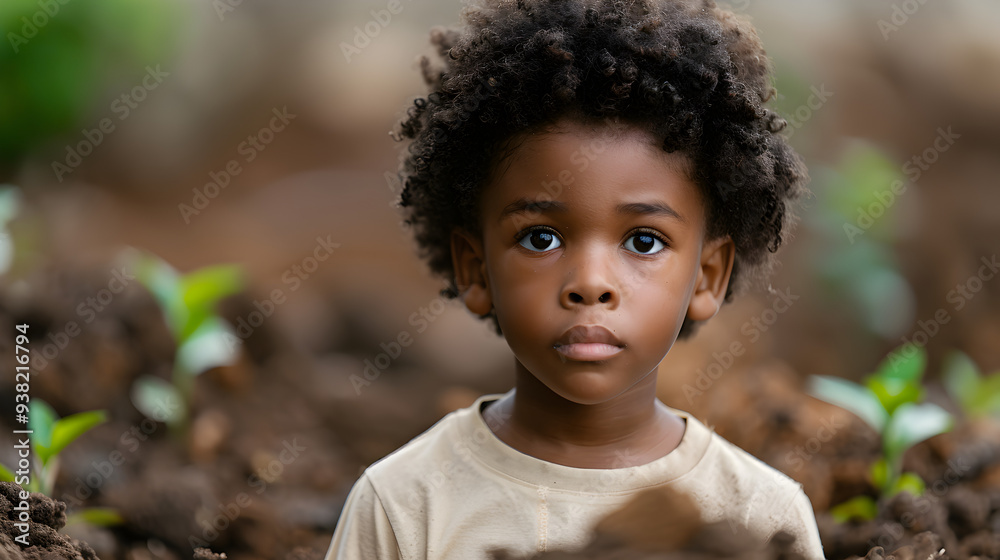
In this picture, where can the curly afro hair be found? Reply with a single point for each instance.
(690, 73)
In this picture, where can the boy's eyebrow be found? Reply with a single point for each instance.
(525, 205)
(540, 206)
(656, 208)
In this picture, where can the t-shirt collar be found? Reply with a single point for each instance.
(497, 455)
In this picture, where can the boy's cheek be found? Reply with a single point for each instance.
(525, 302)
(660, 305)
(525, 296)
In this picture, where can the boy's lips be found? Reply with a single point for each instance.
(588, 343)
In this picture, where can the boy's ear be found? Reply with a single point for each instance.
(713, 279)
(469, 262)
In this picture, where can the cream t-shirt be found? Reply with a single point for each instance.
(456, 491)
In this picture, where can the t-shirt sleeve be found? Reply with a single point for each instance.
(363, 531)
(800, 521)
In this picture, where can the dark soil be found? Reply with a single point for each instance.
(47, 516)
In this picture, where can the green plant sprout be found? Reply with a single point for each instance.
(889, 401)
(204, 340)
(49, 436)
(857, 223)
(978, 395)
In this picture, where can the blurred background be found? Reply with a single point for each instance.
(198, 209)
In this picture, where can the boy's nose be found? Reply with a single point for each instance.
(577, 298)
(589, 285)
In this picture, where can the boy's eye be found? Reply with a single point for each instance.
(644, 244)
(540, 240)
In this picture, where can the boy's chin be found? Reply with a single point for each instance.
(587, 388)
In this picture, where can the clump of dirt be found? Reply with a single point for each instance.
(47, 516)
(963, 522)
(664, 524)
(925, 546)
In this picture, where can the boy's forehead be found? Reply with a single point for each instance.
(591, 162)
(573, 144)
(571, 149)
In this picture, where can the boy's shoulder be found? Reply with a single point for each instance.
(746, 478)
(432, 451)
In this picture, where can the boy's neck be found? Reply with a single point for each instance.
(632, 429)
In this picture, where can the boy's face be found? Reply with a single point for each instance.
(592, 253)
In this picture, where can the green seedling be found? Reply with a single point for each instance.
(978, 395)
(890, 402)
(49, 436)
(204, 340)
(857, 222)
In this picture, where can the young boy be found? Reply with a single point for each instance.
(594, 178)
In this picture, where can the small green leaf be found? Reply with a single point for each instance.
(99, 516)
(863, 508)
(961, 379)
(213, 344)
(892, 392)
(6, 475)
(164, 282)
(977, 394)
(911, 424)
(906, 363)
(41, 418)
(880, 472)
(849, 396)
(987, 400)
(10, 202)
(202, 290)
(909, 482)
(73, 426)
(158, 399)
